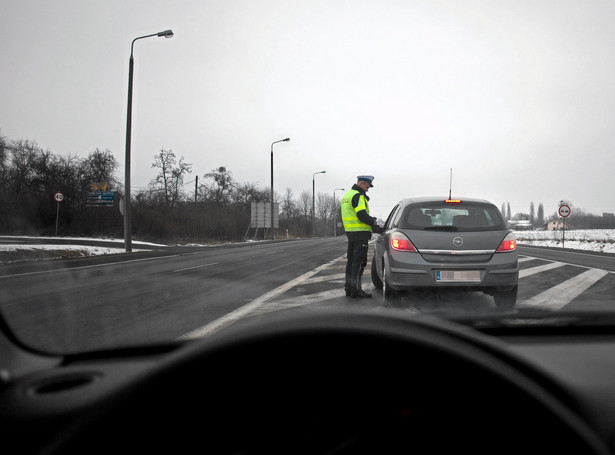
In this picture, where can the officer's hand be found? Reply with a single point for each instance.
(377, 229)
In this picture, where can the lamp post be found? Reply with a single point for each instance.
(314, 201)
(335, 212)
(127, 206)
(281, 140)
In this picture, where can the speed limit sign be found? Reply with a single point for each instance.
(564, 210)
(59, 197)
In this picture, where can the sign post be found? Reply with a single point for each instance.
(59, 197)
(564, 211)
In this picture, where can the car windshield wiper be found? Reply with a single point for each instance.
(442, 228)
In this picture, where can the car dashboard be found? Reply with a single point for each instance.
(340, 383)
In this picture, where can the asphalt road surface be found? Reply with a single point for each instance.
(181, 293)
(148, 297)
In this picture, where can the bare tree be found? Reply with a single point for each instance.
(220, 191)
(100, 167)
(305, 203)
(323, 206)
(170, 178)
(23, 155)
(246, 193)
(4, 165)
(289, 207)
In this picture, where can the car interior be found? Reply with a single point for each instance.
(418, 218)
(328, 382)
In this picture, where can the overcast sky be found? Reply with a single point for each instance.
(517, 97)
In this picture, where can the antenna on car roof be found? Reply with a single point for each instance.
(450, 186)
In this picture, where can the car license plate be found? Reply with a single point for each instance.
(457, 275)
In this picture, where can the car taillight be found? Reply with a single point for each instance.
(508, 244)
(399, 242)
(452, 201)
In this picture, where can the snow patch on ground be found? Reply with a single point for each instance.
(14, 249)
(91, 250)
(600, 240)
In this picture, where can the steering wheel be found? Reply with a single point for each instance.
(338, 383)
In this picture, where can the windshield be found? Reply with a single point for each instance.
(169, 169)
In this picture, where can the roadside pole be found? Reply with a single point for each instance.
(564, 211)
(58, 197)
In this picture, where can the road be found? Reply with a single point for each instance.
(181, 293)
(148, 297)
(582, 258)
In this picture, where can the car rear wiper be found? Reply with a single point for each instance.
(442, 228)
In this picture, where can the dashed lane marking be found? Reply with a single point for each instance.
(195, 267)
(72, 269)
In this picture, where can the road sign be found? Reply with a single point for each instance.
(564, 210)
(101, 199)
(261, 215)
(59, 197)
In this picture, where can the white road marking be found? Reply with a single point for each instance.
(570, 263)
(541, 268)
(308, 299)
(252, 306)
(320, 279)
(195, 267)
(89, 266)
(555, 297)
(562, 294)
(301, 300)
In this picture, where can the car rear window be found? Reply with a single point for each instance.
(461, 216)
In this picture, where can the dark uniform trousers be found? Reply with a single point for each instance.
(357, 261)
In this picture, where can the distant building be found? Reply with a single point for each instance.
(520, 225)
(557, 224)
(608, 215)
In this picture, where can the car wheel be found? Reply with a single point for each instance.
(387, 292)
(375, 278)
(506, 300)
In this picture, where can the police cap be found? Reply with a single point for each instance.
(366, 178)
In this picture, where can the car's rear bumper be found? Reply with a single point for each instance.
(410, 270)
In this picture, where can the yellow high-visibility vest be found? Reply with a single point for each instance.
(351, 221)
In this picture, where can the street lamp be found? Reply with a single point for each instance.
(281, 140)
(127, 207)
(314, 201)
(335, 212)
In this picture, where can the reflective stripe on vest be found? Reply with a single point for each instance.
(349, 213)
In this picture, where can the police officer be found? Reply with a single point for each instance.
(359, 227)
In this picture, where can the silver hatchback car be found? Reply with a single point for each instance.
(447, 244)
